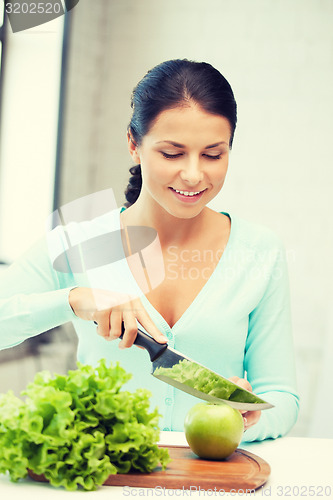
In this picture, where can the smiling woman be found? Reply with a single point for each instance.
(228, 312)
(191, 172)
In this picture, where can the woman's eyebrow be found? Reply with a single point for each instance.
(216, 144)
(178, 145)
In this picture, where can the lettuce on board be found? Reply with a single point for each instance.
(79, 428)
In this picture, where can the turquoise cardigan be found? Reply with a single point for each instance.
(238, 324)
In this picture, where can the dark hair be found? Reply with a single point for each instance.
(168, 85)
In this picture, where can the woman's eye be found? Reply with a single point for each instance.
(177, 155)
(213, 157)
(169, 156)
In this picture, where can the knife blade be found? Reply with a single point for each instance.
(170, 366)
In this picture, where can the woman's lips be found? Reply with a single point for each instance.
(187, 196)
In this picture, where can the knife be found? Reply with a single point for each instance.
(171, 367)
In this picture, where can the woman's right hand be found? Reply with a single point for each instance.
(110, 310)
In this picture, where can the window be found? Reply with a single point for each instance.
(29, 122)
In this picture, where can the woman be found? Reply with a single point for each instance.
(224, 299)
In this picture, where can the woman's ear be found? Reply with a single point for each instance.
(133, 148)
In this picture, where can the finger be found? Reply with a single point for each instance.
(116, 320)
(146, 321)
(251, 418)
(131, 330)
(103, 324)
(245, 415)
(242, 382)
(234, 379)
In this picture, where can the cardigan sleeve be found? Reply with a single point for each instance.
(269, 354)
(33, 298)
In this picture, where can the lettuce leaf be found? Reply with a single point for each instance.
(79, 428)
(200, 378)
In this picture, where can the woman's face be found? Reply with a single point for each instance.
(184, 159)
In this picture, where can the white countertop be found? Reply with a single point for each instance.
(300, 467)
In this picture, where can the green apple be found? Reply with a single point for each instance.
(212, 430)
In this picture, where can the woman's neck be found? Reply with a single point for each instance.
(171, 230)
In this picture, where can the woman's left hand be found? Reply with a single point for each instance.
(250, 417)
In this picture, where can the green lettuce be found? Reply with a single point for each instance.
(79, 428)
(200, 378)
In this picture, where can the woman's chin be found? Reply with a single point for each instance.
(184, 214)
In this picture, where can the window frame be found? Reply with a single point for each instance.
(3, 37)
(3, 32)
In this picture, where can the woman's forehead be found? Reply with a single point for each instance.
(185, 123)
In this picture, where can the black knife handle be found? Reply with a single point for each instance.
(151, 345)
(154, 348)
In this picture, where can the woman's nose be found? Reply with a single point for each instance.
(192, 173)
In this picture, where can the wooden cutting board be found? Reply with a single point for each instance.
(242, 470)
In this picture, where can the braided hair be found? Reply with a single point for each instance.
(134, 186)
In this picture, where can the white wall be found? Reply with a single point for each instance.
(28, 135)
